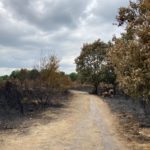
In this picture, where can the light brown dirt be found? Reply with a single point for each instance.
(87, 124)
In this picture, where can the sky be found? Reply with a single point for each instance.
(32, 29)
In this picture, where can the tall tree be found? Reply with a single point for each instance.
(89, 63)
(49, 71)
(73, 76)
(130, 54)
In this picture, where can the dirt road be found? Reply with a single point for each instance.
(87, 124)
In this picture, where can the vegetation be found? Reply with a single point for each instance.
(51, 76)
(130, 54)
(90, 61)
(24, 86)
(92, 65)
(4, 78)
(73, 76)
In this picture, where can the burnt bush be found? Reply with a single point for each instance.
(10, 97)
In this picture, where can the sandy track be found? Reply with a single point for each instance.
(86, 125)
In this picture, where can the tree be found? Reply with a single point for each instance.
(108, 75)
(49, 71)
(130, 54)
(4, 78)
(15, 74)
(51, 76)
(73, 76)
(89, 63)
(20, 74)
(64, 81)
(33, 74)
(23, 75)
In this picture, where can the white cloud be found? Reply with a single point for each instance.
(54, 26)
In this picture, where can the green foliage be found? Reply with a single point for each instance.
(108, 75)
(73, 76)
(33, 74)
(19, 74)
(15, 74)
(4, 78)
(89, 63)
(25, 74)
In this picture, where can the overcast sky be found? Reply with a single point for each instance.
(30, 29)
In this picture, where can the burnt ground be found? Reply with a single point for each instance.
(11, 119)
(134, 124)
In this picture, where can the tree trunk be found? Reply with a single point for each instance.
(95, 90)
(114, 88)
(21, 107)
(145, 105)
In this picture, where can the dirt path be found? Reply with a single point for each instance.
(86, 124)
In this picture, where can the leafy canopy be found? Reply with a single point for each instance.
(130, 54)
(89, 63)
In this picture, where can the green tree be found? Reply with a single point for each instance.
(108, 75)
(15, 74)
(33, 74)
(4, 78)
(23, 74)
(20, 74)
(89, 63)
(73, 76)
